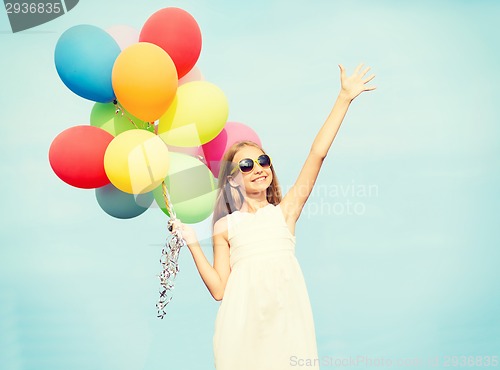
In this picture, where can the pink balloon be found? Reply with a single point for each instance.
(214, 150)
(193, 75)
(124, 35)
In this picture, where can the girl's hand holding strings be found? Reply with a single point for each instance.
(355, 84)
(187, 232)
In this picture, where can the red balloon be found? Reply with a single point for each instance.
(176, 32)
(77, 156)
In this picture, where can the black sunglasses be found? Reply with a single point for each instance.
(246, 164)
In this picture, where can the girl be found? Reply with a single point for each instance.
(265, 320)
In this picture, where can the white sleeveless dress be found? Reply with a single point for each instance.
(264, 321)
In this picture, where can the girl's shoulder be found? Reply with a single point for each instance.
(221, 226)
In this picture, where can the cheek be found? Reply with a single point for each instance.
(241, 180)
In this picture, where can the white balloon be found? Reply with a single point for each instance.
(124, 35)
(193, 75)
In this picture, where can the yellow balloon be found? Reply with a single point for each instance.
(136, 161)
(196, 116)
(144, 80)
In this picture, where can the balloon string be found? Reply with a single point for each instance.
(168, 203)
(169, 257)
(119, 108)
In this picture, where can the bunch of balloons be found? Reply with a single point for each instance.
(156, 122)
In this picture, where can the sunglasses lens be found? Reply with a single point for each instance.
(246, 165)
(264, 160)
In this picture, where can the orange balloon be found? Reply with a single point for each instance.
(144, 80)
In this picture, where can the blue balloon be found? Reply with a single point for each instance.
(122, 205)
(84, 58)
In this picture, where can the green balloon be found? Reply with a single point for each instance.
(191, 186)
(103, 115)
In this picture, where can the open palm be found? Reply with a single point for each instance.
(355, 84)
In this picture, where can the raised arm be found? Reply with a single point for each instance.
(351, 86)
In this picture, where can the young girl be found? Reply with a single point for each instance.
(265, 320)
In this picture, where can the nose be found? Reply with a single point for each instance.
(257, 169)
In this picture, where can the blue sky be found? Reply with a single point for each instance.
(398, 244)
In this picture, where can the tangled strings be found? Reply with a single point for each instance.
(120, 111)
(170, 268)
(169, 258)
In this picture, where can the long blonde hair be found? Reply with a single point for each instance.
(230, 199)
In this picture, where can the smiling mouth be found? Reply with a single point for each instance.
(259, 179)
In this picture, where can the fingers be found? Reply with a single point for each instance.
(176, 224)
(369, 79)
(369, 88)
(355, 83)
(342, 71)
(358, 68)
(365, 71)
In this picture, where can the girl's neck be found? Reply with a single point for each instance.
(252, 205)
